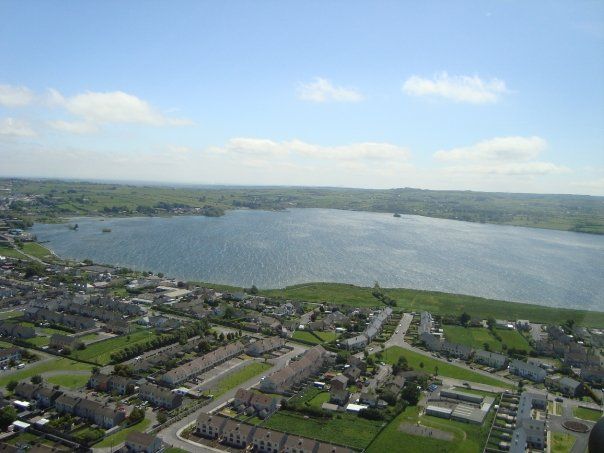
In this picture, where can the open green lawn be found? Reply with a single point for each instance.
(10, 313)
(62, 363)
(513, 339)
(239, 377)
(36, 250)
(304, 335)
(71, 381)
(562, 442)
(11, 252)
(436, 303)
(414, 359)
(467, 437)
(100, 352)
(476, 337)
(587, 414)
(119, 437)
(38, 341)
(89, 337)
(345, 429)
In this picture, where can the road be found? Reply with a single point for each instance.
(170, 435)
(398, 339)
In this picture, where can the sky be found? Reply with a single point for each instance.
(470, 95)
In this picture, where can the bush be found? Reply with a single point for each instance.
(371, 414)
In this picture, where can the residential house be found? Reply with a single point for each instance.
(210, 426)
(457, 350)
(491, 359)
(295, 444)
(267, 441)
(159, 396)
(9, 355)
(595, 375)
(338, 393)
(530, 431)
(143, 443)
(237, 434)
(260, 347)
(199, 365)
(280, 381)
(528, 371)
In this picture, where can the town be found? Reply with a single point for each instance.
(102, 358)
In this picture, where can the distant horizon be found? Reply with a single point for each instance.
(440, 95)
(211, 186)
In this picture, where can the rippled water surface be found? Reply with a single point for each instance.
(275, 249)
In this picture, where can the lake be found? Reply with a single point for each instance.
(275, 249)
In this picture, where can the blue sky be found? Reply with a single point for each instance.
(499, 95)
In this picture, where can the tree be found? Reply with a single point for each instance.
(37, 379)
(464, 319)
(491, 323)
(411, 393)
(421, 364)
(11, 385)
(8, 414)
(436, 371)
(137, 414)
(254, 290)
(162, 417)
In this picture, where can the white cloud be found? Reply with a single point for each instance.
(13, 96)
(470, 89)
(498, 148)
(115, 107)
(74, 127)
(322, 90)
(508, 156)
(353, 151)
(15, 128)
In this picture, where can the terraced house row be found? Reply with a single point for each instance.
(240, 435)
(104, 415)
(297, 371)
(199, 365)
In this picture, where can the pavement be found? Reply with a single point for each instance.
(171, 434)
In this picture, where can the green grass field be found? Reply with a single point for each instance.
(71, 381)
(467, 438)
(304, 335)
(115, 439)
(36, 250)
(10, 314)
(100, 352)
(63, 364)
(562, 442)
(476, 337)
(587, 414)
(436, 303)
(239, 377)
(11, 252)
(391, 355)
(345, 429)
